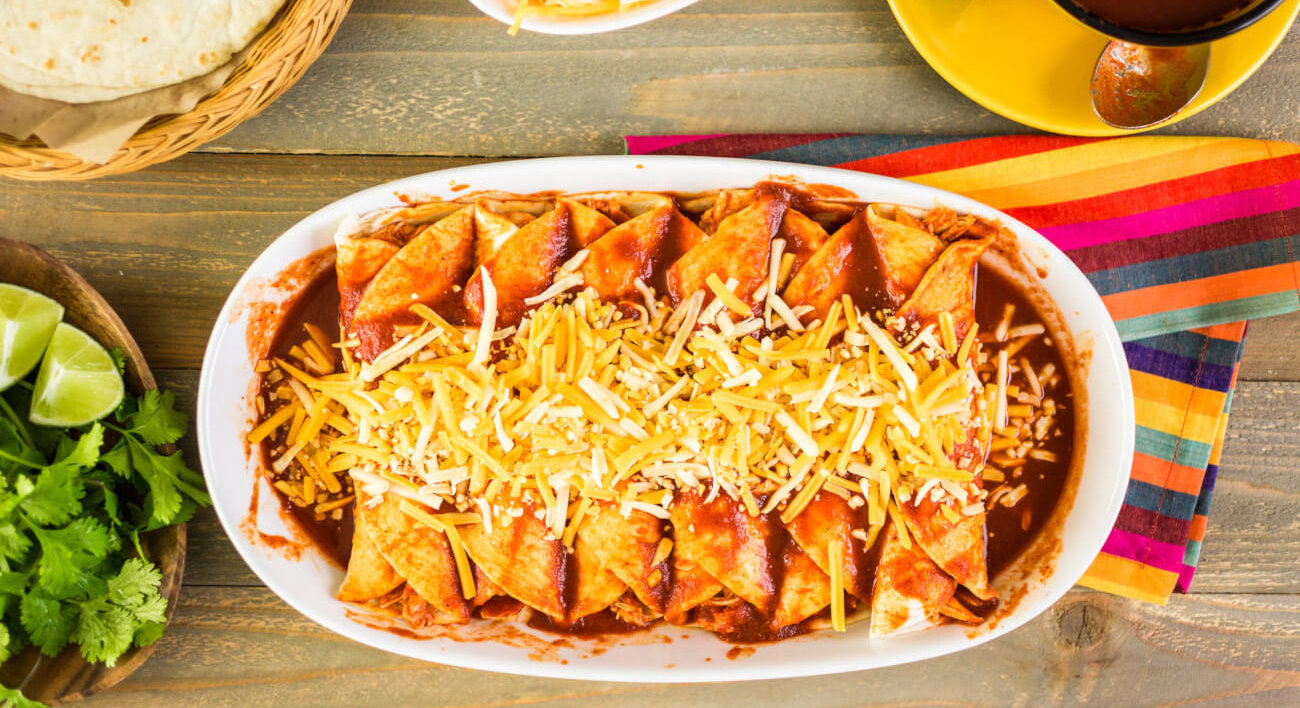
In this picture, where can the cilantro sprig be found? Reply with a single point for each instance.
(73, 503)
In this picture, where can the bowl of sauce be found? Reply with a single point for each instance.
(1168, 23)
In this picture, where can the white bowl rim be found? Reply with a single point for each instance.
(1105, 482)
(500, 11)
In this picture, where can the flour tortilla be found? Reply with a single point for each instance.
(97, 50)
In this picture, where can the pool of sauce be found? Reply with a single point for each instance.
(317, 304)
(1163, 15)
(1007, 535)
(1045, 480)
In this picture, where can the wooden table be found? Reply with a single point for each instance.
(416, 85)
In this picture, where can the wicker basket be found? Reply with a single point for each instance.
(278, 58)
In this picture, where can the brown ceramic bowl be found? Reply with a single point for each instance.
(68, 676)
(1239, 20)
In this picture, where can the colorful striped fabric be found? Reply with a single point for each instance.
(1185, 238)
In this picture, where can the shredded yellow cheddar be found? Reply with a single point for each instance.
(579, 404)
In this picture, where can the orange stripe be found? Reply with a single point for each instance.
(1093, 169)
(1230, 331)
(1197, 530)
(1163, 473)
(1216, 451)
(1204, 291)
(1129, 578)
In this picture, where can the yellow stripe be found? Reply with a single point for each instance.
(1176, 408)
(1175, 421)
(1121, 576)
(1110, 166)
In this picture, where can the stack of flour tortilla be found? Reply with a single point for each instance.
(82, 51)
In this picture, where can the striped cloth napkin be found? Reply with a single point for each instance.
(1185, 238)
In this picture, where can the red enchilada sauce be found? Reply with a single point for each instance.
(1010, 528)
(1163, 15)
(318, 304)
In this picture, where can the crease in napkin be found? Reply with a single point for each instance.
(95, 131)
(1185, 238)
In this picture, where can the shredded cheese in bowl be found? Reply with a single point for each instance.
(568, 8)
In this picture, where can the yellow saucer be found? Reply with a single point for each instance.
(1030, 61)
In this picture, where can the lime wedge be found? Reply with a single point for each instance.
(78, 382)
(27, 320)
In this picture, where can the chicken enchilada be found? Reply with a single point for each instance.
(756, 411)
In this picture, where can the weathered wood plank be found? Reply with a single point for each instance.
(1270, 352)
(242, 646)
(422, 77)
(1253, 536)
(166, 245)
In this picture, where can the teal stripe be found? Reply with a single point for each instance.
(1189, 453)
(1163, 501)
(1192, 266)
(833, 151)
(1193, 553)
(1203, 316)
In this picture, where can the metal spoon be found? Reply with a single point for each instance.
(1135, 86)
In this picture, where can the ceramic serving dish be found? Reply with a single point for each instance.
(307, 580)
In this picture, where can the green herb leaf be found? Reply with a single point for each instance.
(156, 420)
(48, 622)
(148, 633)
(164, 499)
(137, 579)
(13, 582)
(15, 449)
(104, 631)
(14, 544)
(13, 698)
(67, 552)
(63, 526)
(55, 497)
(118, 459)
(119, 360)
(101, 495)
(85, 453)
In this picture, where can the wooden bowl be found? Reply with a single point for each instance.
(277, 59)
(68, 676)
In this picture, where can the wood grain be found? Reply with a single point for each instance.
(243, 646)
(166, 245)
(410, 86)
(1270, 351)
(436, 77)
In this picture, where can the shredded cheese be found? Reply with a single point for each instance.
(580, 405)
(835, 564)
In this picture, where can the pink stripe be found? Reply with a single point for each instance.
(1225, 207)
(1125, 544)
(644, 144)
